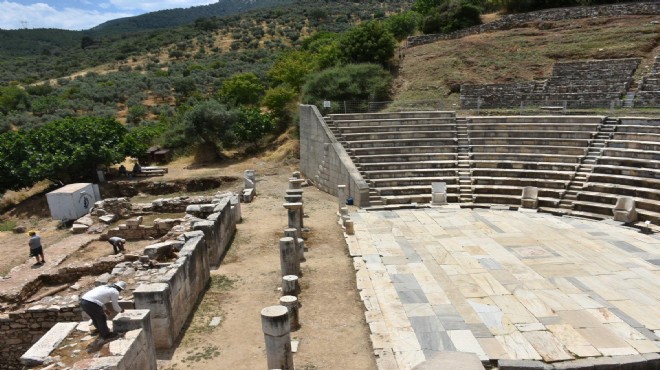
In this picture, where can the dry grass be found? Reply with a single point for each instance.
(436, 71)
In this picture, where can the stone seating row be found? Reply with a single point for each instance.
(390, 150)
(411, 181)
(619, 87)
(606, 66)
(400, 142)
(548, 134)
(392, 115)
(356, 137)
(637, 136)
(522, 173)
(527, 157)
(410, 173)
(413, 121)
(403, 157)
(406, 165)
(630, 144)
(631, 153)
(519, 182)
(529, 149)
(650, 173)
(537, 120)
(524, 165)
(599, 204)
(629, 162)
(546, 127)
(396, 128)
(623, 190)
(541, 97)
(624, 180)
(641, 129)
(530, 141)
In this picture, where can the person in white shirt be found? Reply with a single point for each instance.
(93, 303)
(117, 244)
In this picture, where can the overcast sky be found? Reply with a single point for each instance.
(79, 14)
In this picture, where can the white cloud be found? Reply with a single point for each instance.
(41, 15)
(150, 6)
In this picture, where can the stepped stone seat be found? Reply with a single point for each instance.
(631, 153)
(523, 165)
(534, 157)
(647, 129)
(395, 128)
(412, 190)
(530, 141)
(522, 173)
(627, 171)
(624, 210)
(392, 115)
(399, 157)
(585, 135)
(644, 182)
(413, 198)
(449, 122)
(575, 120)
(411, 181)
(611, 199)
(575, 96)
(392, 150)
(515, 181)
(565, 150)
(400, 166)
(402, 143)
(628, 190)
(636, 136)
(510, 199)
(399, 135)
(546, 127)
(408, 173)
(591, 88)
(629, 144)
(628, 162)
(515, 191)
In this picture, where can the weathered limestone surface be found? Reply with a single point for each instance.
(324, 161)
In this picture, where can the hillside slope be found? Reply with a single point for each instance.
(436, 70)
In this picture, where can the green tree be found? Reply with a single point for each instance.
(426, 7)
(242, 88)
(208, 125)
(47, 105)
(13, 98)
(252, 125)
(63, 151)
(280, 101)
(403, 24)
(451, 16)
(292, 68)
(369, 42)
(326, 48)
(136, 113)
(350, 82)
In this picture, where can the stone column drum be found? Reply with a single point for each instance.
(289, 261)
(341, 196)
(290, 285)
(299, 242)
(291, 304)
(294, 215)
(277, 328)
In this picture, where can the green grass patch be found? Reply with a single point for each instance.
(8, 225)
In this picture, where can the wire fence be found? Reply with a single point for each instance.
(616, 107)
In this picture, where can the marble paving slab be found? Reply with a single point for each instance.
(504, 285)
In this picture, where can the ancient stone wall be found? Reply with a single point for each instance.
(171, 299)
(515, 20)
(324, 161)
(20, 330)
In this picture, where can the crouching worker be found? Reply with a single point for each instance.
(117, 244)
(93, 304)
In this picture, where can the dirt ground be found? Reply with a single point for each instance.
(334, 334)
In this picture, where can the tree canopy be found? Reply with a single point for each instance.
(349, 82)
(63, 151)
(369, 42)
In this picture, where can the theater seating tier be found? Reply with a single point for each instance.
(580, 164)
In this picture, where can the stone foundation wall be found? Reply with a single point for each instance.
(324, 161)
(172, 298)
(20, 330)
(516, 20)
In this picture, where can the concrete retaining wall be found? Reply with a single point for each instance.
(324, 161)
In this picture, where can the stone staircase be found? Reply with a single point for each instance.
(629, 100)
(463, 161)
(583, 170)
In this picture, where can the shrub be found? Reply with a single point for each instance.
(350, 82)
